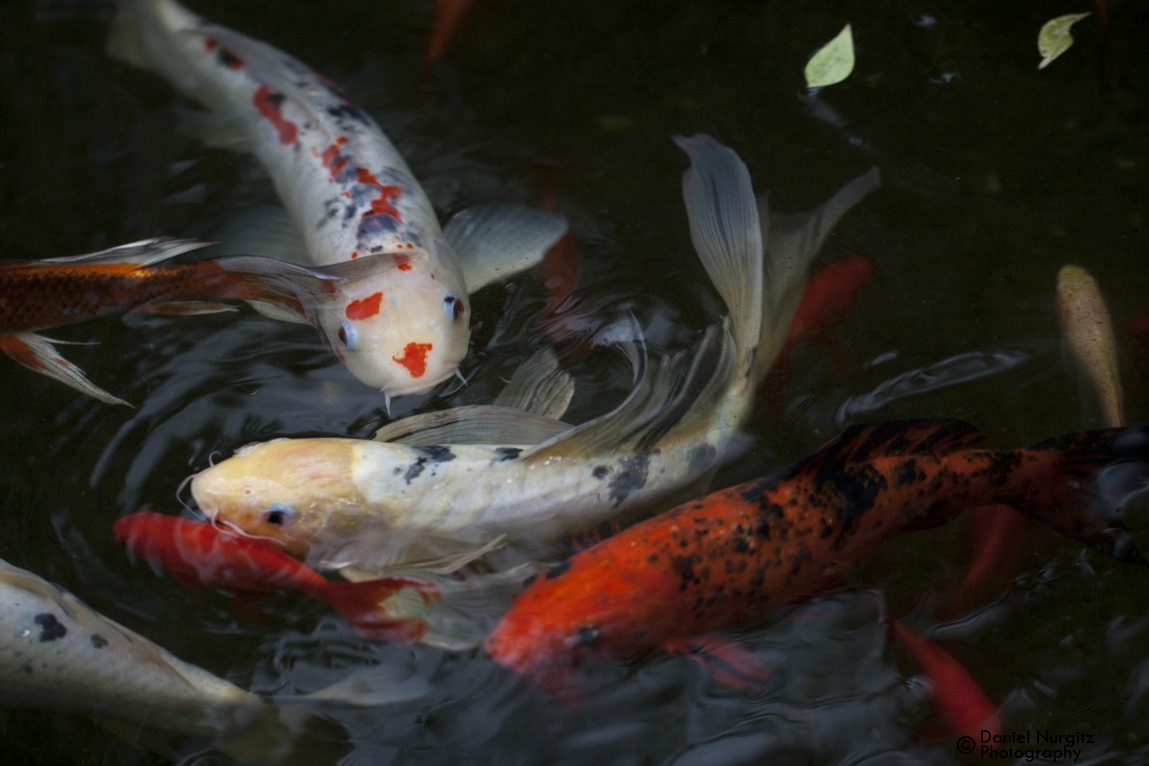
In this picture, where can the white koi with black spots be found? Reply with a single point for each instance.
(348, 190)
(438, 479)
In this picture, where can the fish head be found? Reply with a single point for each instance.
(402, 326)
(289, 491)
(577, 612)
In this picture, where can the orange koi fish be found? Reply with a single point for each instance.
(445, 21)
(737, 553)
(828, 300)
(200, 555)
(39, 295)
(955, 695)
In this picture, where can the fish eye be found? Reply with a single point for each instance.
(348, 335)
(587, 636)
(279, 515)
(454, 307)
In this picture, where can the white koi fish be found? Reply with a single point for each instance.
(1089, 343)
(448, 480)
(56, 653)
(348, 191)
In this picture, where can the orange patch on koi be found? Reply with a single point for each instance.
(268, 103)
(364, 309)
(414, 358)
(402, 263)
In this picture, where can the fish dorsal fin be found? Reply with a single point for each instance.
(142, 253)
(526, 412)
(727, 235)
(794, 239)
(669, 394)
(495, 242)
(539, 387)
(264, 230)
(473, 424)
(896, 438)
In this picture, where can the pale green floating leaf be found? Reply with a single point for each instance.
(833, 62)
(1054, 38)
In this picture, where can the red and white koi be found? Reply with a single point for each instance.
(349, 192)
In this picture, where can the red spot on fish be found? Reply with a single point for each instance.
(402, 262)
(364, 309)
(387, 193)
(268, 104)
(333, 161)
(414, 358)
(210, 43)
(341, 140)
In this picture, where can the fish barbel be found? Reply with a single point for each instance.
(735, 554)
(426, 483)
(348, 191)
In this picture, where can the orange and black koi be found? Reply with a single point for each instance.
(735, 554)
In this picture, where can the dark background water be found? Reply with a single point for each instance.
(995, 175)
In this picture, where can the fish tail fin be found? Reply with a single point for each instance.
(362, 605)
(1077, 483)
(792, 242)
(39, 355)
(726, 232)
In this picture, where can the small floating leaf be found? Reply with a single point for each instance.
(1054, 38)
(833, 62)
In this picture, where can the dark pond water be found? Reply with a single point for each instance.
(995, 175)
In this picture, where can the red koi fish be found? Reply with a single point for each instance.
(445, 21)
(828, 300)
(559, 271)
(955, 695)
(38, 295)
(200, 555)
(736, 554)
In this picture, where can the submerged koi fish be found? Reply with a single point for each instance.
(955, 695)
(828, 299)
(200, 555)
(56, 653)
(349, 193)
(460, 478)
(53, 292)
(736, 554)
(1089, 341)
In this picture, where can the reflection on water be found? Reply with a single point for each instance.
(994, 175)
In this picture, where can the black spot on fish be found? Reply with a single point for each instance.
(632, 477)
(276, 99)
(98, 641)
(436, 454)
(52, 628)
(702, 458)
(506, 453)
(907, 472)
(347, 111)
(229, 59)
(557, 571)
(415, 469)
(397, 470)
(600, 472)
(530, 581)
(587, 636)
(376, 224)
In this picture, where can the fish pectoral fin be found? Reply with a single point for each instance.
(539, 386)
(728, 661)
(494, 242)
(183, 308)
(142, 253)
(38, 354)
(264, 230)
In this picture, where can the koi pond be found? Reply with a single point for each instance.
(995, 174)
